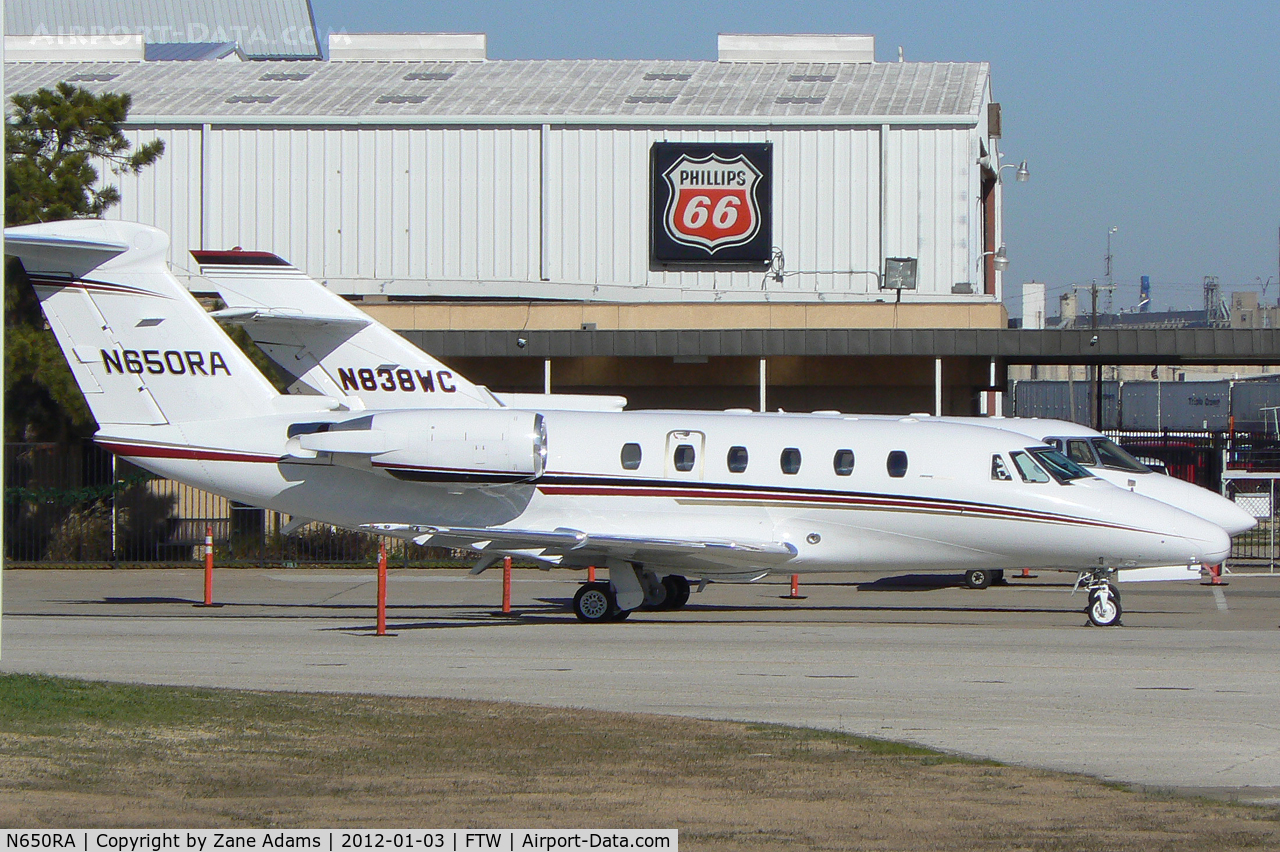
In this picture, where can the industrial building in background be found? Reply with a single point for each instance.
(160, 29)
(796, 184)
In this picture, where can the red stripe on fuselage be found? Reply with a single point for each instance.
(159, 451)
(834, 500)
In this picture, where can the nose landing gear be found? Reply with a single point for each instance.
(1104, 598)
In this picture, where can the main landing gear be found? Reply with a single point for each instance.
(981, 578)
(1104, 598)
(598, 601)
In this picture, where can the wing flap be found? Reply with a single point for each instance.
(554, 546)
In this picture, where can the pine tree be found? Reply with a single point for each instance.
(53, 139)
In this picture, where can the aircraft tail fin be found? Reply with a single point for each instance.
(141, 348)
(328, 345)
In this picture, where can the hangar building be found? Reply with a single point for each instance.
(610, 215)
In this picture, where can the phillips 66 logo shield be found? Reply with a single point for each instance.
(711, 204)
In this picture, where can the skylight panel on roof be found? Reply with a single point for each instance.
(667, 76)
(92, 77)
(791, 99)
(401, 99)
(651, 99)
(438, 76)
(252, 99)
(285, 76)
(811, 78)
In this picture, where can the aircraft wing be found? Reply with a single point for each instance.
(554, 546)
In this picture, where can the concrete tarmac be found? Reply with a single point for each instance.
(1185, 696)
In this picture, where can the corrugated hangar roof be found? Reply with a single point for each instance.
(263, 28)
(735, 92)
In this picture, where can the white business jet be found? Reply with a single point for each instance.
(654, 497)
(287, 314)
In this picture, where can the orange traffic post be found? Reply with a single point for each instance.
(1215, 576)
(382, 589)
(506, 584)
(795, 589)
(208, 565)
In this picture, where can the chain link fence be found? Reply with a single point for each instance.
(81, 505)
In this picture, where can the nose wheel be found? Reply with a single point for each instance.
(1104, 602)
(978, 578)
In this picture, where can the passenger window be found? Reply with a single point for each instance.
(790, 460)
(843, 462)
(1080, 452)
(1028, 469)
(684, 457)
(737, 459)
(897, 464)
(998, 470)
(630, 456)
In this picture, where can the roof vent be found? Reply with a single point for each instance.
(402, 99)
(791, 100)
(285, 76)
(667, 76)
(797, 48)
(124, 47)
(427, 76)
(651, 99)
(252, 99)
(421, 47)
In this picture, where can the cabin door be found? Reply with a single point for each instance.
(685, 451)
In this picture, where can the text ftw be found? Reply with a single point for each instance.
(384, 378)
(189, 362)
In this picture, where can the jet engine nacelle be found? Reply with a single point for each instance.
(473, 446)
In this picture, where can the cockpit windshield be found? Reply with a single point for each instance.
(1113, 456)
(1059, 466)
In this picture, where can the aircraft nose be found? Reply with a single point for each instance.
(1235, 520)
(1216, 510)
(1211, 543)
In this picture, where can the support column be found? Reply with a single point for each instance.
(764, 372)
(546, 376)
(993, 400)
(937, 387)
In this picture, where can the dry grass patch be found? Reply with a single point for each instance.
(92, 754)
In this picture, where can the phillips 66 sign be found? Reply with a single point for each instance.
(710, 204)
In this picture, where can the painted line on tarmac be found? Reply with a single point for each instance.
(1220, 599)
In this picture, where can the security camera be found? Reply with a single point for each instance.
(521, 342)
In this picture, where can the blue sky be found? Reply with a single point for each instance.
(1162, 120)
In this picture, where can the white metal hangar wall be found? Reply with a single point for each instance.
(532, 179)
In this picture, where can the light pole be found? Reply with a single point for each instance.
(1097, 367)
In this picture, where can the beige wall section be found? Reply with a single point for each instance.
(542, 316)
(866, 385)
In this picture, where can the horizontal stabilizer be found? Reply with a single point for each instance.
(243, 316)
(52, 254)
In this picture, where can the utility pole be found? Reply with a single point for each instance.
(1096, 367)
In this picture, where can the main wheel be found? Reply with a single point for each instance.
(594, 602)
(657, 594)
(677, 591)
(977, 578)
(1104, 609)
